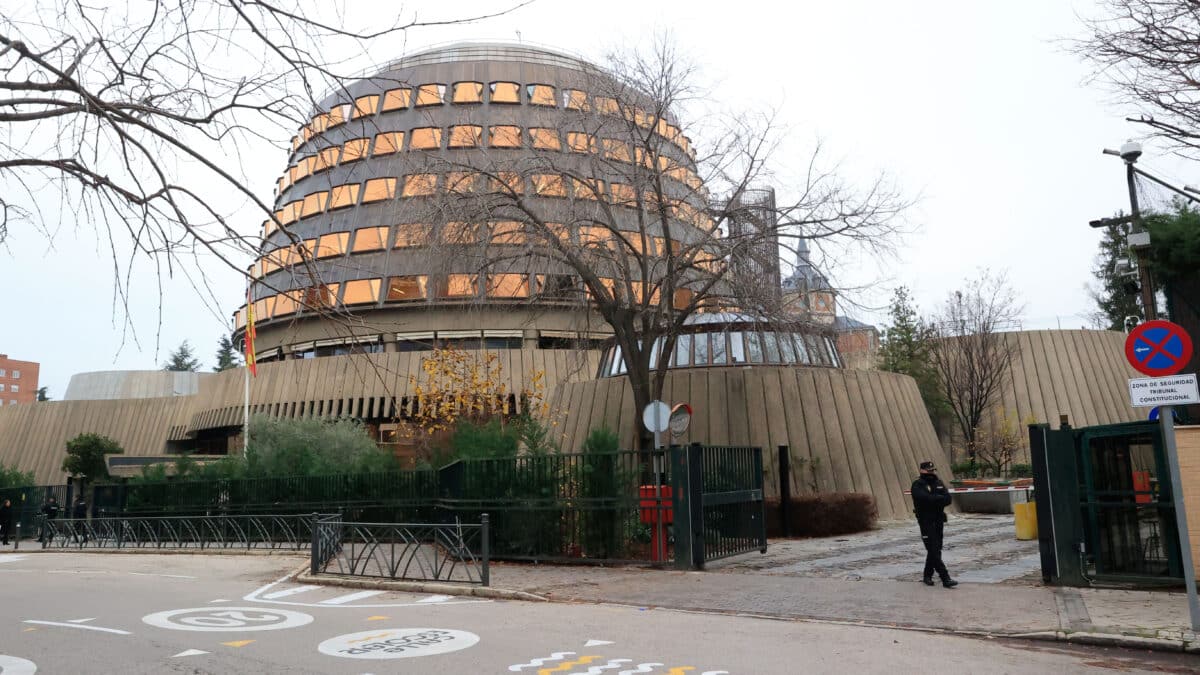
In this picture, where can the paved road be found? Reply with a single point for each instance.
(95, 613)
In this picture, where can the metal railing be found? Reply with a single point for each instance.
(278, 532)
(455, 552)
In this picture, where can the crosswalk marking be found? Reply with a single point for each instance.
(434, 598)
(288, 591)
(350, 597)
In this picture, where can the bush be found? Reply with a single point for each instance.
(825, 514)
(966, 469)
(1020, 471)
(12, 477)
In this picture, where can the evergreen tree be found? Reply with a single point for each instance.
(226, 355)
(1116, 297)
(182, 359)
(905, 348)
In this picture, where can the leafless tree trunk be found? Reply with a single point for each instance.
(631, 224)
(971, 354)
(135, 119)
(1147, 50)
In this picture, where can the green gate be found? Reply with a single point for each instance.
(1105, 509)
(718, 503)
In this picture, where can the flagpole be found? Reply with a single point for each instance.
(246, 414)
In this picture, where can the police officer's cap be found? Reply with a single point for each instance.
(927, 466)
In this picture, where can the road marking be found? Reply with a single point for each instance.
(81, 620)
(257, 596)
(581, 661)
(642, 668)
(28, 630)
(289, 591)
(152, 574)
(13, 665)
(597, 643)
(682, 670)
(190, 652)
(613, 664)
(216, 601)
(77, 625)
(398, 643)
(350, 597)
(11, 558)
(434, 598)
(237, 643)
(377, 618)
(231, 619)
(537, 663)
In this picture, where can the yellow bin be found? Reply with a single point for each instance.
(1026, 518)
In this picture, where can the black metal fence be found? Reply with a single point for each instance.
(289, 532)
(610, 507)
(454, 552)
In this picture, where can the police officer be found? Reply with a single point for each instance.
(930, 497)
(50, 511)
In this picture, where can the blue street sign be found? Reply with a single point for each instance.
(1154, 414)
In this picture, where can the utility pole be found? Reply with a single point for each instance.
(1139, 239)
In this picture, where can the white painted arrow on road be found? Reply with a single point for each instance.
(190, 652)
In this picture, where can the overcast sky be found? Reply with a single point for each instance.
(974, 107)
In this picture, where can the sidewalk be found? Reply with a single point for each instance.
(1149, 620)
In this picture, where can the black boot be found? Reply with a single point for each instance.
(947, 582)
(928, 581)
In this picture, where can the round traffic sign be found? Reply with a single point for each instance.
(1155, 413)
(656, 416)
(1158, 348)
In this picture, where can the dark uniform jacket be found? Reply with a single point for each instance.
(80, 510)
(50, 511)
(929, 497)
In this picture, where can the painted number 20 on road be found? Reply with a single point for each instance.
(241, 619)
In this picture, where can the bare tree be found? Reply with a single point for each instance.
(971, 354)
(630, 223)
(136, 119)
(1148, 51)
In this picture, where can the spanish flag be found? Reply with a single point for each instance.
(250, 335)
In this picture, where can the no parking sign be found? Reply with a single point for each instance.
(1158, 348)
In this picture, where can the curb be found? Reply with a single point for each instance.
(433, 587)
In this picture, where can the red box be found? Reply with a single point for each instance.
(650, 511)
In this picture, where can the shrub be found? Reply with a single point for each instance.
(825, 514)
(966, 469)
(1020, 471)
(489, 440)
(13, 477)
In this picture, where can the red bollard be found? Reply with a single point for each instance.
(654, 514)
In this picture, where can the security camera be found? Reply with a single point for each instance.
(1130, 151)
(1122, 266)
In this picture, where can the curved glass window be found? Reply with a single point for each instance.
(466, 136)
(460, 233)
(720, 348)
(508, 232)
(397, 99)
(332, 244)
(508, 286)
(426, 138)
(355, 149)
(343, 196)
(338, 115)
(370, 239)
(420, 185)
(459, 286)
(365, 105)
(787, 347)
(462, 182)
(320, 296)
(574, 99)
(285, 303)
(506, 182)
(541, 94)
(406, 288)
(579, 141)
(505, 92)
(468, 92)
(589, 188)
(388, 142)
(545, 139)
(504, 136)
(683, 350)
(411, 234)
(361, 291)
(607, 106)
(314, 204)
(548, 185)
(431, 94)
(379, 189)
(617, 150)
(701, 344)
(771, 348)
(754, 346)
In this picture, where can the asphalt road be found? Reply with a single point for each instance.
(104, 613)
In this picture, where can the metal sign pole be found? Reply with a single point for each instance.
(656, 463)
(1166, 420)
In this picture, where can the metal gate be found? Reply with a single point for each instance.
(719, 509)
(1105, 509)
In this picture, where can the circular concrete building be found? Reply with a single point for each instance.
(429, 204)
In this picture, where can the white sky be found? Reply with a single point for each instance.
(974, 107)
